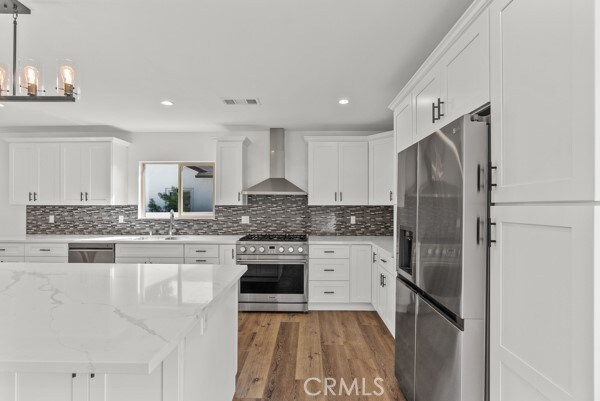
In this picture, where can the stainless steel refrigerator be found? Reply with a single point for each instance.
(441, 264)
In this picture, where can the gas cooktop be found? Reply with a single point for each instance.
(275, 238)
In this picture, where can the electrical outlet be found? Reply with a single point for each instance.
(51, 219)
(245, 219)
(352, 219)
(121, 219)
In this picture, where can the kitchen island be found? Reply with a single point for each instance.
(118, 332)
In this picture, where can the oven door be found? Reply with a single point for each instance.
(274, 282)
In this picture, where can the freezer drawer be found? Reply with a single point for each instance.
(406, 308)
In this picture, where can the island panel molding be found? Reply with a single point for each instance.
(268, 214)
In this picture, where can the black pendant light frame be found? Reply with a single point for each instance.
(17, 8)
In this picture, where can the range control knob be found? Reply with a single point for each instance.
(300, 250)
(281, 249)
(252, 249)
(261, 249)
(290, 249)
(242, 249)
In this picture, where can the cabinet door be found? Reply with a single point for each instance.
(227, 254)
(71, 174)
(354, 173)
(323, 168)
(403, 125)
(22, 173)
(44, 386)
(426, 94)
(47, 174)
(543, 133)
(96, 173)
(542, 302)
(381, 171)
(466, 70)
(360, 273)
(230, 170)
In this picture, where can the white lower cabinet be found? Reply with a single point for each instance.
(227, 254)
(543, 280)
(164, 261)
(339, 277)
(384, 287)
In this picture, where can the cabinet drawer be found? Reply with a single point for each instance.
(202, 261)
(329, 269)
(329, 251)
(202, 251)
(385, 260)
(149, 251)
(12, 259)
(329, 291)
(12, 250)
(46, 259)
(46, 250)
(138, 260)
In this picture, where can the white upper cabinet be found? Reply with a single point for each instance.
(465, 71)
(338, 172)
(542, 75)
(403, 124)
(428, 107)
(34, 173)
(354, 173)
(230, 167)
(381, 169)
(93, 173)
(55, 171)
(323, 173)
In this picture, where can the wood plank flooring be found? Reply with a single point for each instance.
(279, 351)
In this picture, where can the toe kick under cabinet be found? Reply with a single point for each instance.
(339, 277)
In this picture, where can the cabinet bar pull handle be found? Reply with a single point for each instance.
(201, 260)
(341, 199)
(200, 250)
(491, 168)
(35, 196)
(329, 292)
(30, 197)
(239, 196)
(329, 270)
(490, 240)
(86, 196)
(73, 375)
(479, 171)
(2, 250)
(439, 107)
(391, 197)
(328, 251)
(81, 196)
(374, 257)
(233, 254)
(44, 250)
(383, 260)
(433, 113)
(92, 375)
(336, 196)
(383, 278)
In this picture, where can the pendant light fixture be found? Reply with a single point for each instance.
(25, 81)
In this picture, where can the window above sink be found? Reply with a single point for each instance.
(187, 188)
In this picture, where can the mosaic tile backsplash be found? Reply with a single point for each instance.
(268, 214)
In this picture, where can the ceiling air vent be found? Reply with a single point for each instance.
(241, 102)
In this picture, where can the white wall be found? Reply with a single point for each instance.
(173, 147)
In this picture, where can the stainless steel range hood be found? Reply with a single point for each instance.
(276, 184)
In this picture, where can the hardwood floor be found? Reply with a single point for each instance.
(278, 352)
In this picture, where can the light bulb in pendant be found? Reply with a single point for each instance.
(67, 74)
(31, 77)
(4, 84)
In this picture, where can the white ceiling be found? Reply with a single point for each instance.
(298, 56)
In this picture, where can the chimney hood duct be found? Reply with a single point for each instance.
(276, 184)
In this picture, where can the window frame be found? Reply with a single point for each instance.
(180, 214)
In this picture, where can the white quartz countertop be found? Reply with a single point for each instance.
(124, 239)
(384, 242)
(101, 318)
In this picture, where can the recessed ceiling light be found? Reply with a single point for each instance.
(344, 101)
(166, 103)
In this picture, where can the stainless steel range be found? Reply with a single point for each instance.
(277, 276)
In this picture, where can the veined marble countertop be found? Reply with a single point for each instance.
(101, 318)
(124, 239)
(384, 242)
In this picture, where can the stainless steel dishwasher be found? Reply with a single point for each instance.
(91, 253)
